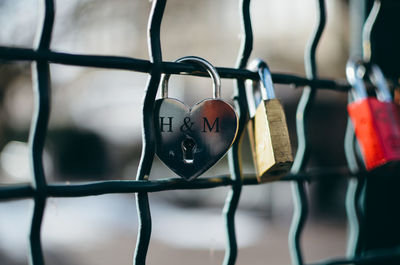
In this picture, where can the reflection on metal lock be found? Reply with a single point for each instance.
(267, 128)
(190, 140)
(376, 121)
(397, 95)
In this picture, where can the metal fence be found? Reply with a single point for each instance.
(41, 56)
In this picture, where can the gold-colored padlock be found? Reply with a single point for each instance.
(267, 128)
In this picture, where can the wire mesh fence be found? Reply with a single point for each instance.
(42, 56)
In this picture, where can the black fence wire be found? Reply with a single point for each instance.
(41, 56)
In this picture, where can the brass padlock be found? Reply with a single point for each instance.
(267, 128)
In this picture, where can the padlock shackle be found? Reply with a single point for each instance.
(206, 65)
(356, 72)
(377, 77)
(266, 89)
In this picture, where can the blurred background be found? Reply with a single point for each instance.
(94, 132)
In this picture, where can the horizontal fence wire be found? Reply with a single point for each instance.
(145, 66)
(81, 189)
(41, 56)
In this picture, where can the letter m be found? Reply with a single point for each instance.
(210, 128)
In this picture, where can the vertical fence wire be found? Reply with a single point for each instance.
(235, 166)
(353, 193)
(148, 141)
(303, 151)
(367, 30)
(37, 137)
(356, 186)
(354, 216)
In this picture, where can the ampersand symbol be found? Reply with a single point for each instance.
(187, 126)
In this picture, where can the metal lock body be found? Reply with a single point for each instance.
(376, 121)
(267, 128)
(190, 140)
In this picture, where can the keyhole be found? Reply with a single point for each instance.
(188, 147)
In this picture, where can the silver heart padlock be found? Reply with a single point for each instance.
(190, 140)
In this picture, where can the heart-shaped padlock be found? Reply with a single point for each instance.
(190, 140)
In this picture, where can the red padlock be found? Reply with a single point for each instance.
(376, 121)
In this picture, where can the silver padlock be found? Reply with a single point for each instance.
(190, 140)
